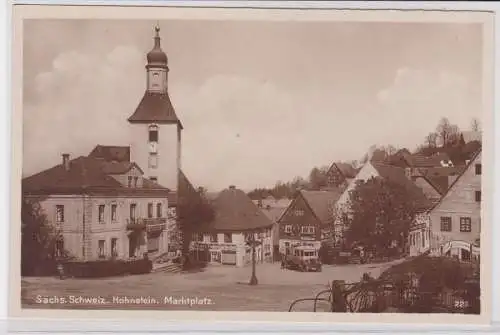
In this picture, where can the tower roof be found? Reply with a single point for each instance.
(156, 57)
(155, 108)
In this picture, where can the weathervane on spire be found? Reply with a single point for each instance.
(157, 27)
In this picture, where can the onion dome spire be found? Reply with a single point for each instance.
(156, 57)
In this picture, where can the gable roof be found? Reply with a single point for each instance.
(86, 175)
(235, 211)
(320, 201)
(457, 179)
(155, 107)
(111, 153)
(347, 170)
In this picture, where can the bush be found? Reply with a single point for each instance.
(435, 277)
(432, 272)
(107, 268)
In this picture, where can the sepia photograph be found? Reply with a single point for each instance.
(329, 165)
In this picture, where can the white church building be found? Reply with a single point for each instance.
(115, 202)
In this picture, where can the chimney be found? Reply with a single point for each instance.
(65, 161)
(232, 187)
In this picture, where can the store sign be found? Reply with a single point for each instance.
(214, 246)
(307, 238)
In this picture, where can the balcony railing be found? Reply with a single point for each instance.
(146, 223)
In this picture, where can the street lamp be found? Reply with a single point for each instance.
(253, 243)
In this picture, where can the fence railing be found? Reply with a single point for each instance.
(376, 296)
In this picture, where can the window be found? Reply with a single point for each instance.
(478, 196)
(129, 181)
(114, 249)
(135, 181)
(298, 212)
(288, 229)
(159, 211)
(153, 244)
(154, 179)
(228, 238)
(101, 213)
(307, 230)
(465, 225)
(445, 223)
(153, 134)
(133, 208)
(345, 218)
(101, 251)
(423, 239)
(478, 169)
(113, 213)
(213, 238)
(59, 213)
(150, 210)
(153, 160)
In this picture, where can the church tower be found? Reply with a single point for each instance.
(155, 128)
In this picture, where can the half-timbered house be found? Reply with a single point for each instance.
(307, 220)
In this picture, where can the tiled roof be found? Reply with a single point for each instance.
(347, 170)
(273, 213)
(111, 153)
(235, 211)
(418, 160)
(155, 107)
(118, 167)
(86, 175)
(320, 202)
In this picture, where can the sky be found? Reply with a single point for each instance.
(259, 101)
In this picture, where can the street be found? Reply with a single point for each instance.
(217, 288)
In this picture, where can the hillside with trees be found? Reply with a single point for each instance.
(446, 138)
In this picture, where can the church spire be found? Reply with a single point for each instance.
(157, 36)
(156, 57)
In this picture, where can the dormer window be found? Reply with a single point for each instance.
(135, 181)
(129, 181)
(153, 133)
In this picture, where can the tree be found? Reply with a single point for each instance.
(193, 212)
(380, 214)
(475, 125)
(447, 132)
(431, 140)
(318, 178)
(38, 239)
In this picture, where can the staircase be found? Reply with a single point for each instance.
(167, 267)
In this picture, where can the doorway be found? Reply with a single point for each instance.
(215, 256)
(465, 255)
(132, 245)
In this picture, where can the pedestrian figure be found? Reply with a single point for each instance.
(60, 270)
